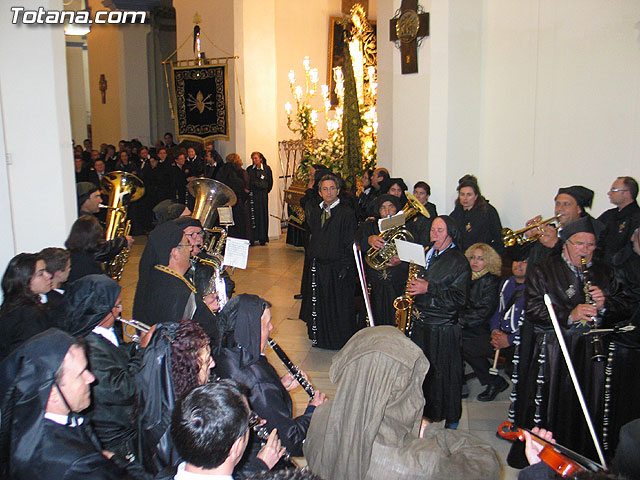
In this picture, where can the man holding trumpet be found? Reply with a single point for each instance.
(570, 204)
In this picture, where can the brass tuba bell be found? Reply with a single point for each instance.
(122, 188)
(209, 194)
(378, 259)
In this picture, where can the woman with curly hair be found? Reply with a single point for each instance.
(22, 314)
(482, 302)
(476, 218)
(177, 359)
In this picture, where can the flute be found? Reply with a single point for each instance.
(293, 368)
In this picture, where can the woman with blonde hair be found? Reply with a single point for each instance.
(482, 302)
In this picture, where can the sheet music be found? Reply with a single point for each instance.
(236, 252)
(411, 252)
(391, 222)
(225, 214)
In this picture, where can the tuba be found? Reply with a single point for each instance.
(378, 259)
(211, 194)
(122, 188)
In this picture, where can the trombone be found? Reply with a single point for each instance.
(511, 238)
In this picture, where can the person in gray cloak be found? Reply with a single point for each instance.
(373, 427)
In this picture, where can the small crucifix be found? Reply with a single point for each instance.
(407, 26)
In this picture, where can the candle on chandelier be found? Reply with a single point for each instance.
(288, 107)
(314, 117)
(306, 62)
(298, 92)
(314, 75)
(292, 77)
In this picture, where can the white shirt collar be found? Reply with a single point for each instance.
(108, 333)
(333, 205)
(62, 419)
(182, 474)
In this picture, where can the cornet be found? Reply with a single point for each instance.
(140, 326)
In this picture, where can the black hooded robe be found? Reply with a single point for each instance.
(438, 333)
(36, 447)
(242, 361)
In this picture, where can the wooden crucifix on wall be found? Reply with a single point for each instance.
(406, 28)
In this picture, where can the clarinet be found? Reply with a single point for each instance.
(257, 426)
(596, 339)
(293, 369)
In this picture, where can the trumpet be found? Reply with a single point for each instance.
(140, 326)
(510, 238)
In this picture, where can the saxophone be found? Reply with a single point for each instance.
(404, 304)
(596, 339)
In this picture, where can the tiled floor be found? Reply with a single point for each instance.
(274, 273)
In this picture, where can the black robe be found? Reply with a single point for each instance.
(165, 302)
(484, 296)
(329, 294)
(545, 395)
(477, 225)
(114, 395)
(268, 398)
(619, 225)
(69, 453)
(19, 325)
(234, 177)
(437, 332)
(83, 264)
(624, 349)
(260, 184)
(386, 285)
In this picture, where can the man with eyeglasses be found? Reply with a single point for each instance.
(585, 295)
(621, 221)
(199, 274)
(163, 293)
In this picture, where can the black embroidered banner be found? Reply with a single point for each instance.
(201, 102)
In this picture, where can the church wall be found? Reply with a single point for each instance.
(561, 103)
(37, 195)
(529, 96)
(104, 45)
(76, 57)
(134, 83)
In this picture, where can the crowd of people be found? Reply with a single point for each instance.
(166, 169)
(480, 304)
(194, 395)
